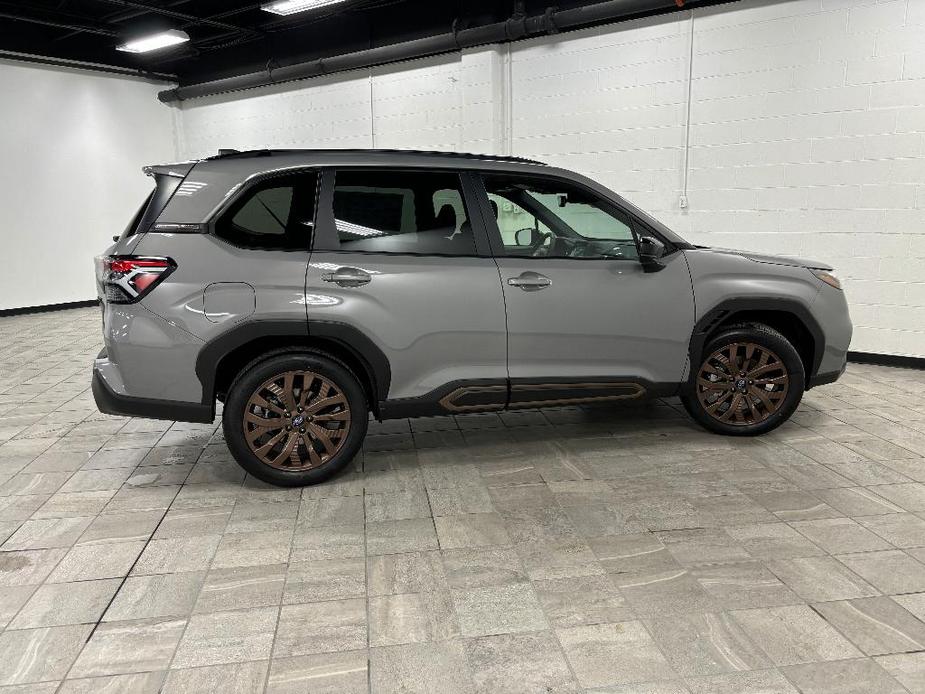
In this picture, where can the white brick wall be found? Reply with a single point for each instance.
(806, 133)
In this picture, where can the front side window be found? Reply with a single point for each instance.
(277, 214)
(402, 212)
(552, 219)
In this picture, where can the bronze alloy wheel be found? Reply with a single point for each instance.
(742, 384)
(297, 420)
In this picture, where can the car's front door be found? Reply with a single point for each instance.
(397, 259)
(585, 320)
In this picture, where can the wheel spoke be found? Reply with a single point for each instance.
(309, 445)
(288, 395)
(268, 446)
(267, 405)
(323, 435)
(733, 408)
(766, 368)
(318, 405)
(291, 442)
(263, 422)
(342, 416)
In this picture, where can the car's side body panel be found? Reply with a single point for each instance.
(432, 334)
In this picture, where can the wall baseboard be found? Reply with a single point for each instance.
(886, 360)
(46, 308)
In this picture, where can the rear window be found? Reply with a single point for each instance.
(165, 187)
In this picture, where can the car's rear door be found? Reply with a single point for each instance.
(585, 320)
(398, 260)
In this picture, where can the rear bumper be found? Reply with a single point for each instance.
(109, 401)
(822, 379)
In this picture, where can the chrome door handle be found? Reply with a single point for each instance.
(530, 281)
(347, 277)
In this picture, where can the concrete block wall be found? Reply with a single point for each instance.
(793, 127)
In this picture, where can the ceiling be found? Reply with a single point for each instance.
(231, 37)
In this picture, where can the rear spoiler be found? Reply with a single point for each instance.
(178, 170)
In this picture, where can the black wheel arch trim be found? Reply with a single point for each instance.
(728, 309)
(351, 339)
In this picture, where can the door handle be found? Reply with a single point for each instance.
(347, 277)
(530, 281)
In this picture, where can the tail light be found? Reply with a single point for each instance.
(125, 279)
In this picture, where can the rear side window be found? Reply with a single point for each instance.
(165, 187)
(276, 214)
(396, 211)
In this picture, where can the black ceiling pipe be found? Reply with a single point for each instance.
(515, 28)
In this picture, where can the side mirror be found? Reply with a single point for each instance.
(528, 236)
(651, 251)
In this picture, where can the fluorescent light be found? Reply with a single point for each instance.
(171, 37)
(287, 7)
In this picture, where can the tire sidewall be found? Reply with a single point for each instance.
(253, 377)
(778, 344)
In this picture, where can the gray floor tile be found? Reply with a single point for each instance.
(840, 535)
(755, 682)
(123, 526)
(706, 644)
(136, 683)
(907, 668)
(321, 627)
(660, 593)
(498, 610)
(227, 637)
(399, 536)
(28, 567)
(241, 587)
(519, 663)
(147, 597)
(327, 579)
(420, 668)
(177, 554)
(821, 578)
(412, 572)
(743, 585)
(843, 677)
(471, 530)
(891, 571)
(88, 562)
(47, 533)
(36, 655)
(483, 566)
(411, 618)
(58, 604)
(235, 678)
(327, 673)
(794, 634)
(899, 529)
(617, 653)
(580, 600)
(878, 626)
(124, 647)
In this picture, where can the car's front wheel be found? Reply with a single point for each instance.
(749, 381)
(295, 418)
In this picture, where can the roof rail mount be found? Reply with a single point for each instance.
(242, 154)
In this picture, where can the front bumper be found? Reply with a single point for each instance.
(109, 401)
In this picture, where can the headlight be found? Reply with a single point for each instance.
(827, 277)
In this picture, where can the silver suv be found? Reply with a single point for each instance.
(308, 289)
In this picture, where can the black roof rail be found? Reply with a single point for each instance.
(241, 154)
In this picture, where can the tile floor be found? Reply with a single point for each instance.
(617, 550)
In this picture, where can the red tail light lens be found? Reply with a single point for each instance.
(126, 279)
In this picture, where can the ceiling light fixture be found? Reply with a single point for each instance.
(154, 42)
(287, 7)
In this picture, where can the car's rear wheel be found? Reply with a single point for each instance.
(750, 381)
(295, 418)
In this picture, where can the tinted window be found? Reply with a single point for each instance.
(402, 212)
(278, 213)
(548, 218)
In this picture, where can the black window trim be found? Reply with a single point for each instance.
(638, 227)
(230, 205)
(326, 238)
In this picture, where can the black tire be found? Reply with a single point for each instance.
(256, 374)
(764, 337)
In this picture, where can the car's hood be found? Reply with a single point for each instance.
(772, 259)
